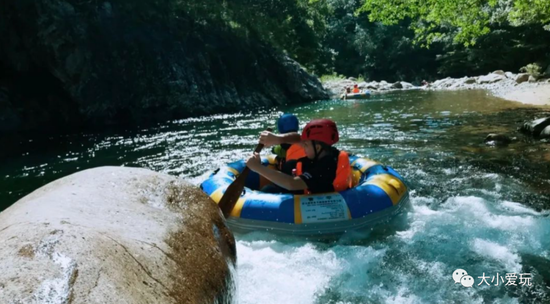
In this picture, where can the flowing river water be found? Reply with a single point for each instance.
(483, 209)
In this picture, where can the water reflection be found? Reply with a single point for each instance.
(408, 130)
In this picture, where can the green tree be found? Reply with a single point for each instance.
(464, 20)
(373, 50)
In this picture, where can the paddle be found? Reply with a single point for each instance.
(233, 192)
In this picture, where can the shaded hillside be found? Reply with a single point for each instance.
(68, 63)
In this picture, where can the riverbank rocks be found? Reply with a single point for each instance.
(470, 80)
(491, 78)
(523, 77)
(374, 86)
(336, 86)
(362, 85)
(115, 235)
(536, 126)
(499, 83)
(407, 85)
(443, 83)
(497, 139)
(397, 85)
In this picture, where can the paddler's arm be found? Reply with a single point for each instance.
(286, 181)
(269, 139)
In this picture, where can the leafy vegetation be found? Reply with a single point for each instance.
(532, 69)
(380, 39)
(467, 19)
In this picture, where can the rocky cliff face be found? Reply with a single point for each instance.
(96, 63)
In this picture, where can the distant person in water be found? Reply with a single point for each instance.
(347, 91)
(424, 83)
(356, 89)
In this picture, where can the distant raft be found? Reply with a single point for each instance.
(379, 192)
(361, 95)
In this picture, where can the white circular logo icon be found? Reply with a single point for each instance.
(459, 273)
(467, 281)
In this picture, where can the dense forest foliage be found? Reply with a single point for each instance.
(391, 39)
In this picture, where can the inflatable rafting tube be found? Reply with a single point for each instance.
(363, 95)
(379, 193)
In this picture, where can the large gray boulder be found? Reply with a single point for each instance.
(115, 235)
(536, 126)
(397, 85)
(521, 78)
(545, 133)
(494, 139)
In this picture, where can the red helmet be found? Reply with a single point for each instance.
(323, 130)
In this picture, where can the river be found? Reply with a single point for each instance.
(479, 208)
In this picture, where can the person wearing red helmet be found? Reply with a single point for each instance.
(324, 169)
(355, 89)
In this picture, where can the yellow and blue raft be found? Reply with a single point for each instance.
(378, 193)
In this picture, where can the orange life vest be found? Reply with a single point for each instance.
(343, 178)
(296, 151)
(355, 90)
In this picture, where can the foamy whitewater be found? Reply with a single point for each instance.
(414, 265)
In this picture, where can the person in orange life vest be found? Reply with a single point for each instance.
(323, 169)
(355, 89)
